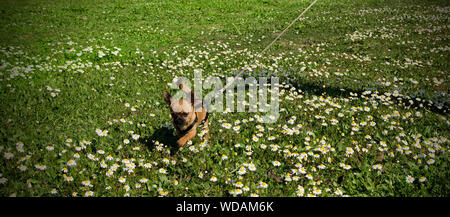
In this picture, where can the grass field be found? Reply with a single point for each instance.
(364, 98)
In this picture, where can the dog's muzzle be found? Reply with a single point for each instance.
(178, 120)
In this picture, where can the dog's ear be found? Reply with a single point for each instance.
(167, 97)
(188, 91)
(184, 88)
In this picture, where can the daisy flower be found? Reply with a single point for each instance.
(349, 151)
(8, 155)
(246, 188)
(237, 191)
(3, 180)
(251, 167)
(317, 191)
(86, 183)
(122, 180)
(135, 136)
(263, 185)
(300, 191)
(68, 178)
(377, 167)
(147, 165)
(276, 163)
(409, 179)
(213, 179)
(40, 166)
(126, 188)
(242, 171)
(239, 184)
(226, 125)
(338, 192)
(22, 167)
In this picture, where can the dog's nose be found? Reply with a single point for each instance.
(179, 121)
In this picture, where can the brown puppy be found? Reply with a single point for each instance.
(187, 115)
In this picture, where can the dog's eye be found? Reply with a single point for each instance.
(184, 114)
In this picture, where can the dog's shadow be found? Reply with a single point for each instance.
(163, 135)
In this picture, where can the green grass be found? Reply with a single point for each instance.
(397, 50)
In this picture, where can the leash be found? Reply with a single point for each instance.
(265, 49)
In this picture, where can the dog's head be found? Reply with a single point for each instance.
(182, 110)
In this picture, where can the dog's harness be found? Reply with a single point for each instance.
(206, 118)
(193, 123)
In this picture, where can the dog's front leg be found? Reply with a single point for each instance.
(188, 136)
